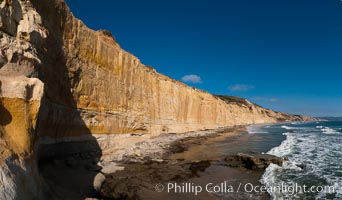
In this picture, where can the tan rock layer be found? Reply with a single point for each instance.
(92, 86)
(20, 99)
(114, 93)
(17, 118)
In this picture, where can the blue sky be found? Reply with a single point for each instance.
(282, 54)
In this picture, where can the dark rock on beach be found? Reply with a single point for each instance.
(199, 166)
(252, 160)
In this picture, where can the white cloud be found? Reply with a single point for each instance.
(240, 88)
(273, 99)
(191, 78)
(265, 99)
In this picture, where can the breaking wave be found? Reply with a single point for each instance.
(314, 157)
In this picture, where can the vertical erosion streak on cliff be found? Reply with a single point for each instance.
(67, 154)
(119, 95)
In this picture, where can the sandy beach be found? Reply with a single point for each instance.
(195, 158)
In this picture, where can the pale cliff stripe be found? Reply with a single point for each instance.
(21, 87)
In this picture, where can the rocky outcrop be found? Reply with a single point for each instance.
(252, 160)
(62, 82)
(20, 102)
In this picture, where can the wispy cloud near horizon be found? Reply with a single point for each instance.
(265, 99)
(240, 88)
(192, 78)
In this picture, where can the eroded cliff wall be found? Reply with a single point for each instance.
(88, 85)
(114, 93)
(91, 83)
(61, 80)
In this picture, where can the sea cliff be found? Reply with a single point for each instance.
(62, 82)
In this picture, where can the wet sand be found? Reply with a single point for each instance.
(196, 158)
(193, 160)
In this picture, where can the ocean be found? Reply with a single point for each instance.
(313, 154)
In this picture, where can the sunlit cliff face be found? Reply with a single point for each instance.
(62, 82)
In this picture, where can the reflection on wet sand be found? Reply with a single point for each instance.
(193, 160)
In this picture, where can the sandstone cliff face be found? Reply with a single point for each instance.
(112, 91)
(61, 80)
(116, 94)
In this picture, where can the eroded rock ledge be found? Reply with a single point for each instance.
(252, 160)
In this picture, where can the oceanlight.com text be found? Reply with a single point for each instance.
(226, 187)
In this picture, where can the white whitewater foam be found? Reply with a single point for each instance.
(321, 155)
(285, 147)
(255, 129)
(291, 127)
(272, 172)
(270, 178)
(328, 130)
(287, 127)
